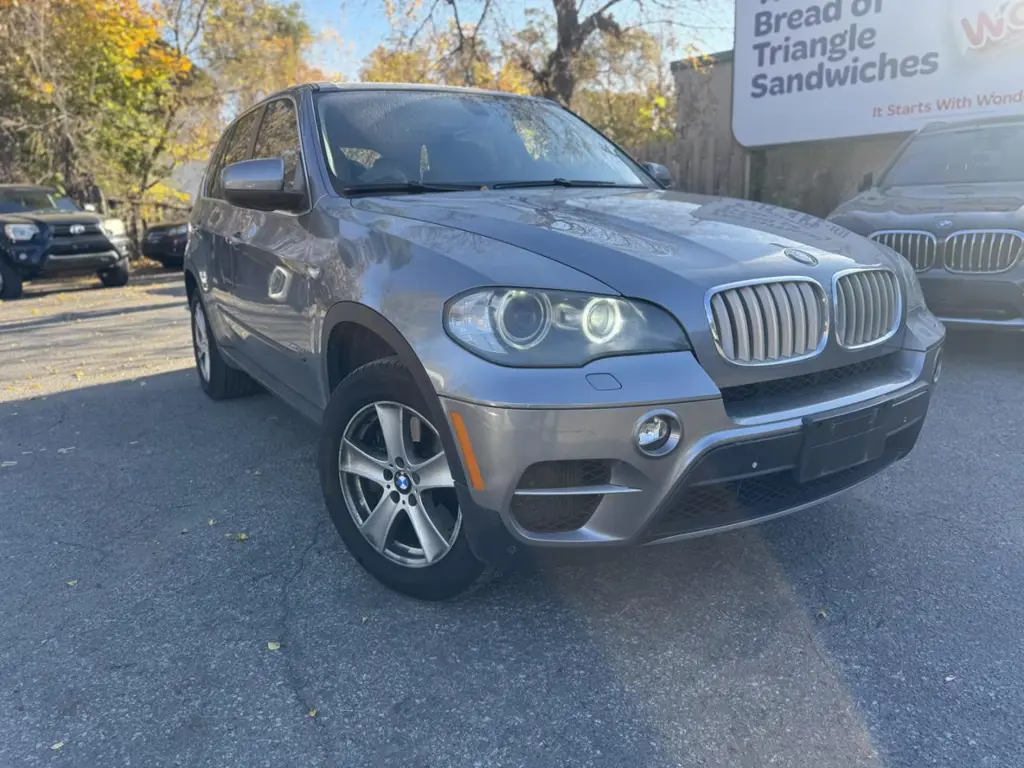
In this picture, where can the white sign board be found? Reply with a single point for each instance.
(807, 70)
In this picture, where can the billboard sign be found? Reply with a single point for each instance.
(808, 70)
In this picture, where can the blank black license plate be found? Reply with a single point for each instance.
(832, 444)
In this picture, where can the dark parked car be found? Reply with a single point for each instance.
(166, 243)
(44, 234)
(952, 202)
(515, 340)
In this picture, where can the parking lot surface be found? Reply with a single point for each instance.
(173, 593)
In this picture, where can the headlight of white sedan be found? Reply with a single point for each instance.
(181, 229)
(524, 327)
(20, 233)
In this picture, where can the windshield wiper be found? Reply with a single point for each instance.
(560, 182)
(404, 187)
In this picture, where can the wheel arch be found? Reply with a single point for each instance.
(347, 313)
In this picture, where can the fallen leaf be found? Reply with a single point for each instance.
(5, 464)
(365, 618)
(238, 536)
(66, 450)
(134, 442)
(73, 583)
(822, 614)
(272, 646)
(950, 678)
(211, 521)
(312, 712)
(184, 530)
(58, 745)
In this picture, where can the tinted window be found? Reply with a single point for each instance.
(462, 138)
(279, 137)
(969, 156)
(234, 148)
(20, 200)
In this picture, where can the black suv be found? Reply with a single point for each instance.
(952, 202)
(44, 234)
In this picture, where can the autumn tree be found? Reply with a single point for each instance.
(442, 57)
(625, 87)
(80, 82)
(124, 91)
(549, 50)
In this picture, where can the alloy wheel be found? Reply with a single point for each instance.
(201, 340)
(397, 484)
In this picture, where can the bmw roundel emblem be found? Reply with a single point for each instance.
(801, 257)
(402, 482)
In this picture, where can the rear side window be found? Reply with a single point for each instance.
(279, 137)
(233, 149)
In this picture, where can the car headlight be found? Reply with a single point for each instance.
(914, 297)
(524, 327)
(178, 231)
(19, 233)
(114, 228)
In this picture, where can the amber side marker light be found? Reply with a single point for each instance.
(475, 478)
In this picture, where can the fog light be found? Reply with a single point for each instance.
(658, 433)
(22, 257)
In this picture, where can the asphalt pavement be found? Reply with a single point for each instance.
(172, 593)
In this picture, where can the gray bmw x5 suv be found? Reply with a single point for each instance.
(515, 339)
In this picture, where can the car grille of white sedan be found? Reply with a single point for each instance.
(868, 307)
(769, 322)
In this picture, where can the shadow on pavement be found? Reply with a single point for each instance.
(139, 622)
(70, 317)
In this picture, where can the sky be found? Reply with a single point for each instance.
(362, 25)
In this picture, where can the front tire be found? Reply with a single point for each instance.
(217, 379)
(388, 485)
(117, 276)
(11, 285)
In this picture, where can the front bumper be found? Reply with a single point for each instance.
(981, 301)
(737, 463)
(77, 263)
(32, 261)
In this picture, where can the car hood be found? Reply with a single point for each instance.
(49, 218)
(658, 245)
(960, 206)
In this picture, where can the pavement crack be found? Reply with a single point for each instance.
(293, 677)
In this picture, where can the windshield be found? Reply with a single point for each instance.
(380, 137)
(21, 200)
(961, 157)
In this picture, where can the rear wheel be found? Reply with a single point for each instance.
(389, 488)
(10, 282)
(217, 379)
(117, 276)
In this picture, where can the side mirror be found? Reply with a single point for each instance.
(867, 182)
(660, 174)
(259, 184)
